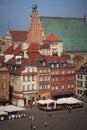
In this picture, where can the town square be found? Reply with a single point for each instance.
(43, 65)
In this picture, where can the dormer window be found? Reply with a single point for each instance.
(55, 53)
(57, 65)
(33, 69)
(52, 65)
(28, 69)
(43, 63)
(63, 64)
(15, 67)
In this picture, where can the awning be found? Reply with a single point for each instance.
(11, 108)
(3, 113)
(69, 100)
(48, 101)
(61, 95)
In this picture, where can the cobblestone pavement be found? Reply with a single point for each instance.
(59, 120)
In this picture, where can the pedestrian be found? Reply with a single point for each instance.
(30, 117)
(31, 127)
(45, 123)
(34, 128)
(51, 126)
(33, 118)
(49, 114)
(70, 109)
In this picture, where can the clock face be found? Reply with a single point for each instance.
(24, 45)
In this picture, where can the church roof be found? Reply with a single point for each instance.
(19, 36)
(72, 31)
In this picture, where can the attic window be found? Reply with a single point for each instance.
(15, 67)
(43, 63)
(63, 64)
(52, 65)
(57, 65)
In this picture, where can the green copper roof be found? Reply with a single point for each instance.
(72, 31)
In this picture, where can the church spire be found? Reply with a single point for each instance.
(34, 7)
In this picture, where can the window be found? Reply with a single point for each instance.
(12, 77)
(33, 87)
(15, 67)
(56, 88)
(28, 69)
(56, 79)
(52, 73)
(3, 94)
(63, 72)
(72, 86)
(24, 78)
(11, 67)
(85, 77)
(23, 88)
(3, 76)
(40, 78)
(72, 71)
(68, 71)
(56, 72)
(57, 65)
(3, 85)
(62, 86)
(28, 87)
(40, 71)
(28, 78)
(79, 84)
(44, 70)
(68, 85)
(33, 77)
(44, 86)
(79, 76)
(52, 65)
(52, 88)
(52, 79)
(43, 63)
(40, 87)
(48, 86)
(33, 69)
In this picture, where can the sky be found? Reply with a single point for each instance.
(15, 14)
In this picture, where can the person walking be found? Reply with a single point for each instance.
(31, 127)
(70, 109)
(45, 123)
(34, 128)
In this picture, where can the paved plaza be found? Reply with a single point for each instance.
(59, 120)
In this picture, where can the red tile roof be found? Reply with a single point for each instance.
(33, 47)
(1, 59)
(53, 38)
(9, 50)
(78, 57)
(19, 36)
(45, 46)
(17, 50)
(35, 56)
(65, 56)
